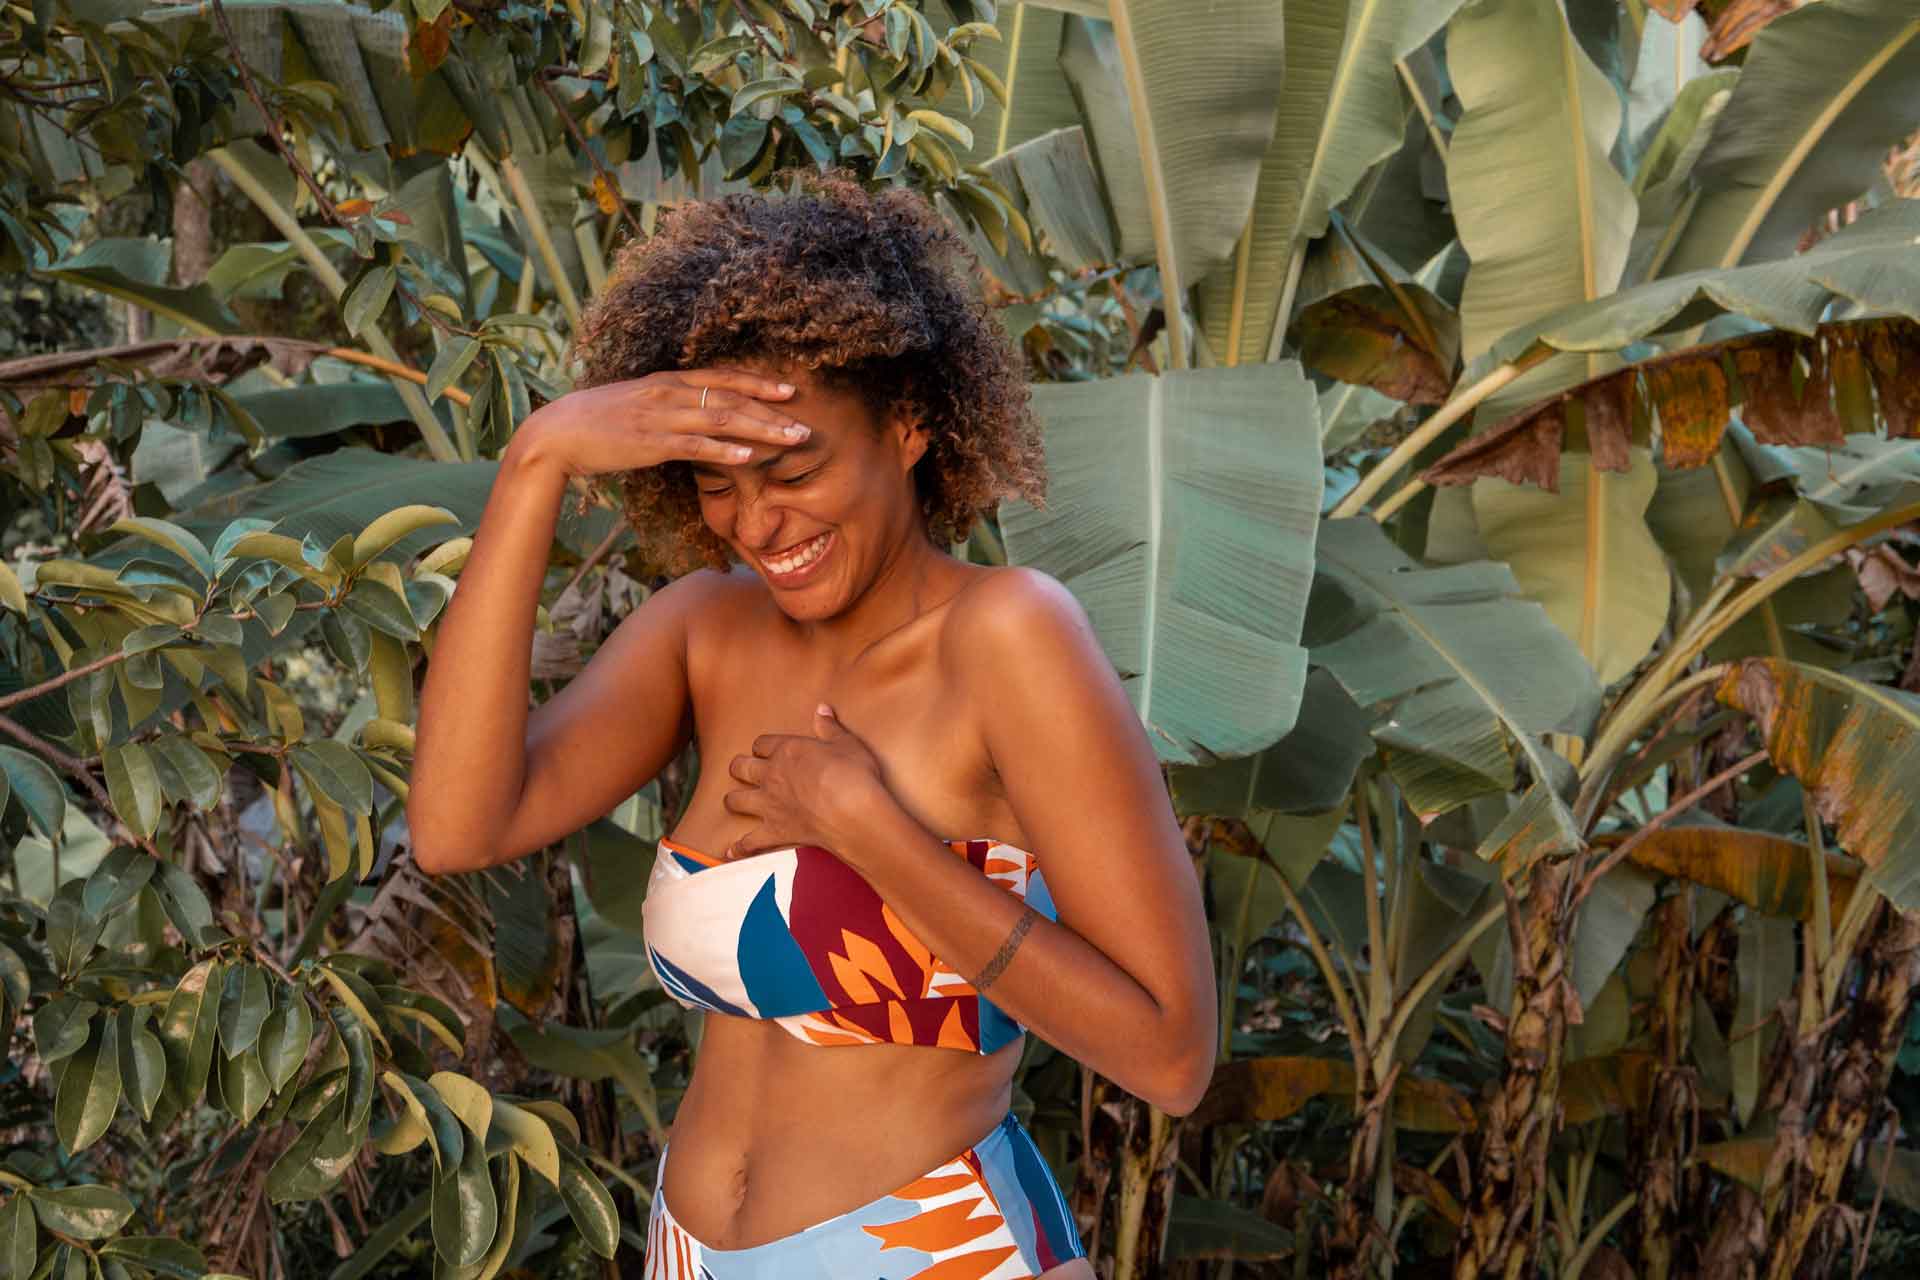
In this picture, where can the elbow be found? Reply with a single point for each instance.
(437, 854)
(1183, 1082)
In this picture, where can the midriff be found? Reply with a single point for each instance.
(776, 1134)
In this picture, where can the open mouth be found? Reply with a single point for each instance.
(796, 563)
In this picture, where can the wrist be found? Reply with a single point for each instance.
(868, 821)
(530, 452)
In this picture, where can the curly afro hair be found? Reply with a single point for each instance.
(868, 290)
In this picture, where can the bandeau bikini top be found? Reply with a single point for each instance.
(797, 936)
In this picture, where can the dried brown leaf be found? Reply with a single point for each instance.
(1524, 449)
(1609, 414)
(1768, 404)
(1365, 336)
(1739, 23)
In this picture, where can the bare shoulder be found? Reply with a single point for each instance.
(1016, 614)
(708, 597)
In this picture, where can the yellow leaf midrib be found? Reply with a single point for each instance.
(1770, 193)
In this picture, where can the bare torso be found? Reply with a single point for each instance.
(775, 1134)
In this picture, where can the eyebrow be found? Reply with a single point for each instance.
(809, 446)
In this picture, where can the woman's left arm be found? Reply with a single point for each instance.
(1124, 982)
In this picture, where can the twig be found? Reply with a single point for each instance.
(274, 127)
(1671, 812)
(754, 26)
(48, 686)
(600, 171)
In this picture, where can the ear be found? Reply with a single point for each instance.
(910, 436)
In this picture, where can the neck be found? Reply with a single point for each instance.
(913, 579)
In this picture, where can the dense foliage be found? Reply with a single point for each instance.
(1480, 432)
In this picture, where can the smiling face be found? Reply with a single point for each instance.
(819, 520)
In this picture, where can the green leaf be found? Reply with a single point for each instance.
(162, 1255)
(314, 1161)
(245, 1002)
(1202, 1228)
(395, 525)
(444, 1129)
(1545, 217)
(1765, 970)
(1184, 514)
(19, 1238)
(368, 298)
(38, 788)
(129, 269)
(465, 1208)
(244, 1086)
(337, 773)
(171, 536)
(285, 1037)
(1824, 92)
(143, 1063)
(530, 1138)
(360, 1065)
(185, 772)
(71, 932)
(1180, 104)
(87, 1212)
(89, 1091)
(61, 1026)
(589, 1204)
(1455, 665)
(187, 1031)
(756, 90)
(117, 880)
(379, 607)
(133, 785)
(184, 903)
(1341, 112)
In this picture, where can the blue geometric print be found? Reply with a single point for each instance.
(773, 968)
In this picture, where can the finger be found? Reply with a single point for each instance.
(825, 723)
(744, 803)
(746, 769)
(765, 745)
(743, 846)
(763, 386)
(734, 416)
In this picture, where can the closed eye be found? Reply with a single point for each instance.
(797, 477)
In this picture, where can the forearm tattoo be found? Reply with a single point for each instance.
(1002, 957)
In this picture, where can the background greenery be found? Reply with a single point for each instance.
(1481, 432)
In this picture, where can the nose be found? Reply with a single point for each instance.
(756, 518)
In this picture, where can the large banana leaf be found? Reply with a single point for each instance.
(1824, 92)
(1182, 511)
(1695, 513)
(1341, 111)
(1869, 263)
(1179, 101)
(1855, 747)
(1027, 61)
(1457, 667)
(1547, 221)
(1544, 216)
(1585, 553)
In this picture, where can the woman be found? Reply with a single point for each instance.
(911, 765)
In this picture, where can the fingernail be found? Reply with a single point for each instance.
(739, 451)
(824, 709)
(786, 388)
(798, 431)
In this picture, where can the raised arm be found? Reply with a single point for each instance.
(491, 780)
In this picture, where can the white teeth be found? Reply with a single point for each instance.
(808, 553)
